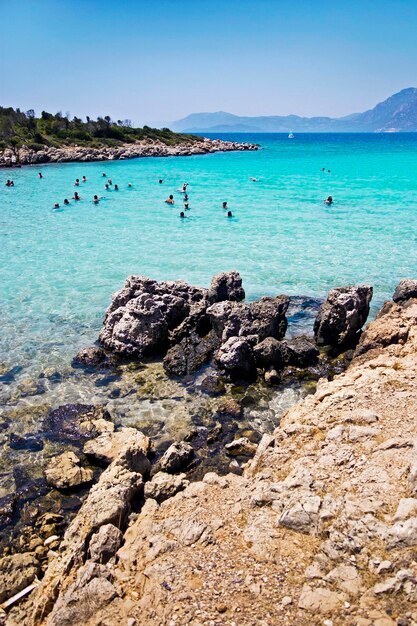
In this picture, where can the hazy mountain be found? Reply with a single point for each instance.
(397, 113)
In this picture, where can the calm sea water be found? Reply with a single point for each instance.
(59, 268)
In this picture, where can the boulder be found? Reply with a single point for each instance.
(105, 543)
(391, 326)
(64, 471)
(90, 357)
(300, 352)
(77, 421)
(141, 316)
(190, 354)
(226, 286)
(405, 290)
(236, 358)
(264, 318)
(342, 315)
(164, 486)
(178, 456)
(17, 572)
(270, 352)
(241, 447)
(108, 446)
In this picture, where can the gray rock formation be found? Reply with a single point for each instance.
(77, 422)
(178, 456)
(64, 471)
(17, 571)
(90, 357)
(236, 358)
(105, 543)
(300, 352)
(342, 316)
(190, 354)
(405, 290)
(164, 485)
(269, 352)
(226, 286)
(108, 446)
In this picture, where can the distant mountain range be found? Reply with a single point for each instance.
(396, 114)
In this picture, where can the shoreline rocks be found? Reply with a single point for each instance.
(145, 148)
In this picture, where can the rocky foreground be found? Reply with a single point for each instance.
(321, 528)
(145, 148)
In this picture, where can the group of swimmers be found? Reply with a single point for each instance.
(170, 200)
(76, 196)
(9, 183)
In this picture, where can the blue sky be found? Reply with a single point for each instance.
(162, 59)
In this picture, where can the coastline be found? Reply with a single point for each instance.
(145, 148)
(321, 523)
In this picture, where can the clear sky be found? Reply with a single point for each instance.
(159, 60)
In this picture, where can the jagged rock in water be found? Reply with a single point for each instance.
(77, 421)
(142, 314)
(17, 571)
(226, 286)
(270, 352)
(64, 471)
(90, 357)
(342, 315)
(236, 358)
(190, 354)
(405, 290)
(178, 456)
(300, 352)
(257, 320)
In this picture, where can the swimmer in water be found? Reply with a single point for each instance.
(106, 186)
(109, 181)
(186, 207)
(253, 179)
(185, 197)
(77, 182)
(104, 174)
(229, 214)
(129, 184)
(40, 175)
(329, 200)
(84, 179)
(182, 214)
(56, 205)
(184, 187)
(76, 196)
(170, 200)
(96, 200)
(66, 201)
(225, 205)
(160, 181)
(116, 187)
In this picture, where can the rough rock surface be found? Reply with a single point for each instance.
(105, 543)
(190, 354)
(65, 471)
(178, 456)
(226, 286)
(144, 148)
(405, 290)
(321, 528)
(90, 357)
(77, 421)
(163, 486)
(108, 446)
(236, 358)
(342, 315)
(16, 572)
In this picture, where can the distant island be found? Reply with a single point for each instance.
(396, 114)
(26, 139)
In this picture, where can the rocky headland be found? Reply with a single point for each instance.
(315, 523)
(10, 157)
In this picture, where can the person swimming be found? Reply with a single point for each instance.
(66, 201)
(106, 186)
(129, 184)
(225, 205)
(104, 174)
(84, 179)
(96, 199)
(186, 207)
(77, 182)
(109, 181)
(116, 187)
(160, 181)
(182, 214)
(329, 200)
(229, 214)
(56, 205)
(40, 175)
(253, 179)
(76, 196)
(184, 187)
(170, 200)
(186, 197)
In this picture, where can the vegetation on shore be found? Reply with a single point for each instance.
(18, 129)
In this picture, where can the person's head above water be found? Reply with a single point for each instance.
(66, 201)
(329, 200)
(225, 205)
(229, 214)
(182, 214)
(129, 184)
(116, 187)
(56, 205)
(160, 181)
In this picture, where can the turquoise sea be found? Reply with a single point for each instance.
(59, 268)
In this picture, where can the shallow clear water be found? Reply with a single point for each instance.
(59, 268)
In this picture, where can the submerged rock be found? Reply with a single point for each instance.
(342, 315)
(77, 421)
(28, 442)
(90, 357)
(405, 290)
(64, 471)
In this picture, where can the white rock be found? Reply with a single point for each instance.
(406, 508)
